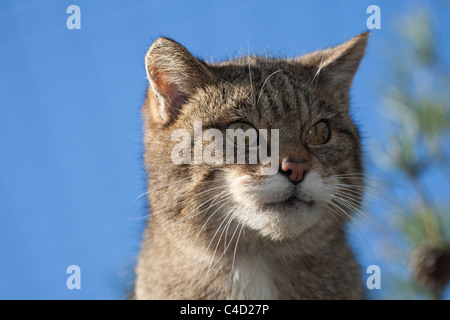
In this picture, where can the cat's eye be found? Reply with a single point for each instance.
(239, 132)
(318, 134)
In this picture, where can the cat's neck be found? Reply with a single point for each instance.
(252, 270)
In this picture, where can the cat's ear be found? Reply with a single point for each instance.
(174, 75)
(337, 66)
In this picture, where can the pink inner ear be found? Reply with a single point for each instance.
(177, 99)
(170, 92)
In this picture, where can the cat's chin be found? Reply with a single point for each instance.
(284, 220)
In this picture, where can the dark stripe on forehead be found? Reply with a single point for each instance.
(288, 92)
(274, 98)
(256, 79)
(303, 107)
(250, 72)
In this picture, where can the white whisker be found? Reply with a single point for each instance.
(348, 216)
(235, 246)
(264, 83)
(227, 200)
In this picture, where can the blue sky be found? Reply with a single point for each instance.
(70, 126)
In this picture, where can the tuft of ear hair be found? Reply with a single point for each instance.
(174, 75)
(337, 66)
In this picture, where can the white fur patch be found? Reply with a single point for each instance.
(252, 279)
(315, 188)
(275, 189)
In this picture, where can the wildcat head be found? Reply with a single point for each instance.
(303, 105)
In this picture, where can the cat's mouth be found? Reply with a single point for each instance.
(291, 202)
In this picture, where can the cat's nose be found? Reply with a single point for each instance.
(295, 171)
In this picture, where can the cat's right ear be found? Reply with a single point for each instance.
(174, 75)
(336, 67)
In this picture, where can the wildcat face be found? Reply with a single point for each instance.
(305, 98)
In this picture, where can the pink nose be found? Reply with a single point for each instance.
(295, 171)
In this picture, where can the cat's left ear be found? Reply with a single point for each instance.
(337, 66)
(174, 76)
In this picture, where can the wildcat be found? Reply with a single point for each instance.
(225, 231)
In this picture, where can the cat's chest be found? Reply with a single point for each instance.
(252, 279)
